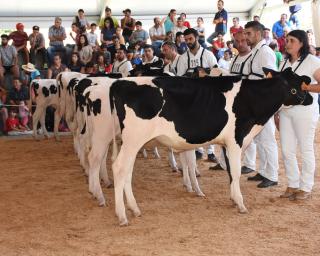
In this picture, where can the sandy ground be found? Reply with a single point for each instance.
(46, 210)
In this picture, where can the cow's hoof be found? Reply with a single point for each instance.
(109, 184)
(243, 210)
(136, 213)
(123, 223)
(188, 188)
(102, 202)
(200, 194)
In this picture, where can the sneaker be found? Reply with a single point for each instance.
(246, 170)
(212, 158)
(289, 192)
(198, 155)
(257, 177)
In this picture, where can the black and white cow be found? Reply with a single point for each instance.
(45, 93)
(185, 113)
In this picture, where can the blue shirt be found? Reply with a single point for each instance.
(168, 25)
(221, 27)
(278, 28)
(108, 33)
(34, 74)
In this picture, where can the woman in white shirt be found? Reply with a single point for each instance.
(298, 123)
(84, 49)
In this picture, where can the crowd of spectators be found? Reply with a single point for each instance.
(121, 46)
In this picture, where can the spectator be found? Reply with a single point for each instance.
(157, 35)
(13, 125)
(56, 68)
(127, 25)
(318, 52)
(274, 46)
(179, 27)
(180, 43)
(3, 110)
(293, 19)
(30, 73)
(57, 35)
(89, 68)
(149, 56)
(220, 20)
(169, 50)
(107, 33)
(8, 60)
(101, 67)
(266, 36)
(75, 30)
(225, 61)
(183, 16)
(133, 57)
(107, 56)
(235, 28)
(120, 36)
(256, 18)
(312, 50)
(93, 37)
(201, 32)
(84, 50)
(81, 21)
(139, 35)
(169, 21)
(278, 27)
(310, 37)
(37, 46)
(75, 63)
(115, 46)
(282, 40)
(18, 93)
(218, 46)
(169, 36)
(232, 50)
(108, 13)
(20, 38)
(122, 65)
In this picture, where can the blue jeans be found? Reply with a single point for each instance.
(156, 47)
(214, 35)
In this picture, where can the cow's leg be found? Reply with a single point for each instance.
(103, 170)
(172, 161)
(144, 153)
(122, 173)
(57, 118)
(96, 159)
(185, 173)
(234, 153)
(43, 124)
(156, 153)
(36, 117)
(190, 158)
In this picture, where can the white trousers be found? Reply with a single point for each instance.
(297, 128)
(268, 151)
(249, 156)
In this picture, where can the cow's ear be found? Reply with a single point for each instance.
(306, 79)
(266, 71)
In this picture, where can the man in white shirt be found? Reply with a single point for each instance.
(93, 37)
(122, 65)
(194, 57)
(169, 50)
(178, 28)
(157, 35)
(263, 56)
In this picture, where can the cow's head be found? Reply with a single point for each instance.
(292, 82)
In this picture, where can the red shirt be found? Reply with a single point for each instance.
(219, 44)
(19, 38)
(234, 30)
(186, 24)
(12, 123)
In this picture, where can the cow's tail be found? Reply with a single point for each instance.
(114, 123)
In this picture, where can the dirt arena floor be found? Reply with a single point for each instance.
(45, 209)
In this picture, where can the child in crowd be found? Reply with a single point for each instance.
(3, 110)
(24, 115)
(13, 125)
(274, 46)
(75, 64)
(226, 60)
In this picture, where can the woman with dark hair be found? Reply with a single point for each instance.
(298, 123)
(107, 32)
(84, 49)
(75, 64)
(169, 21)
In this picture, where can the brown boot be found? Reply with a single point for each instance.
(289, 192)
(300, 195)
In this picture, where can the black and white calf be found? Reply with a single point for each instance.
(185, 113)
(45, 93)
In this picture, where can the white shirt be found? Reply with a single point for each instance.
(262, 56)
(92, 38)
(123, 67)
(307, 68)
(237, 63)
(225, 64)
(208, 60)
(176, 29)
(153, 31)
(172, 67)
(154, 59)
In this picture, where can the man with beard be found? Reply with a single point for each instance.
(8, 59)
(196, 56)
(121, 64)
(263, 56)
